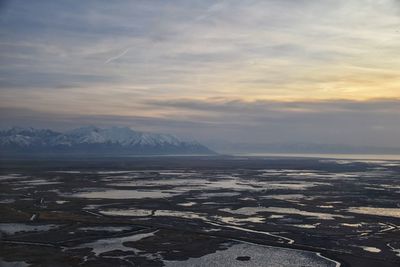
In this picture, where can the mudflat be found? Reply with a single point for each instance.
(199, 211)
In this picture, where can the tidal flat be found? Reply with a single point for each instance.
(199, 211)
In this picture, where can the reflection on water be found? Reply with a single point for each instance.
(255, 210)
(254, 255)
(122, 194)
(281, 202)
(390, 212)
(117, 243)
(13, 228)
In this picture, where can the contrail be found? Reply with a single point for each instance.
(117, 56)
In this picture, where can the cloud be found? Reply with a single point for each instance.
(50, 80)
(269, 71)
(225, 47)
(290, 107)
(218, 122)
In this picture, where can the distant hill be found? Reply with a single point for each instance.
(94, 140)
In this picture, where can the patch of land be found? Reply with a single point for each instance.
(198, 211)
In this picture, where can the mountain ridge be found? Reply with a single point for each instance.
(95, 140)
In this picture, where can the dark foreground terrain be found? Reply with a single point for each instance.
(200, 211)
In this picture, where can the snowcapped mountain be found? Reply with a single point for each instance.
(94, 140)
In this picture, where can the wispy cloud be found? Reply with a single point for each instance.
(218, 121)
(272, 68)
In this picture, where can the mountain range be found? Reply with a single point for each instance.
(94, 140)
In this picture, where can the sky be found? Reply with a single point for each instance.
(221, 72)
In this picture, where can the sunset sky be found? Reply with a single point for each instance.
(218, 71)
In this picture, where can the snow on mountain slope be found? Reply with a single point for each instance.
(91, 139)
(121, 135)
(25, 137)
